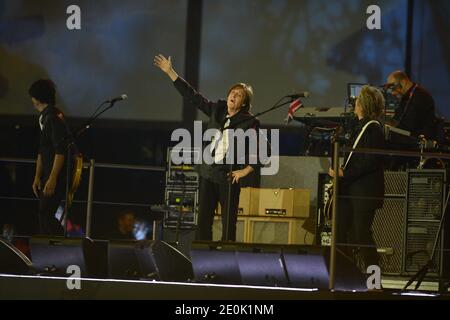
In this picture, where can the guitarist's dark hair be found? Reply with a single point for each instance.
(43, 90)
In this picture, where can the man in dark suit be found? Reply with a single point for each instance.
(362, 180)
(416, 112)
(215, 177)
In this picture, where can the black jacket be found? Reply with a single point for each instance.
(217, 112)
(53, 140)
(417, 113)
(363, 180)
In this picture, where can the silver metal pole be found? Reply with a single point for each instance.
(334, 218)
(90, 198)
(155, 226)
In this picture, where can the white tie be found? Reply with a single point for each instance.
(222, 144)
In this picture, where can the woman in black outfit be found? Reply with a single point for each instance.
(362, 181)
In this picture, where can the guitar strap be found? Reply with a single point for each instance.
(359, 138)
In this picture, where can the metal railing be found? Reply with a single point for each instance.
(91, 165)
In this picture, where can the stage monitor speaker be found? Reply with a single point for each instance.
(13, 261)
(52, 256)
(272, 265)
(215, 262)
(155, 260)
(182, 241)
(261, 265)
(123, 261)
(168, 263)
(308, 267)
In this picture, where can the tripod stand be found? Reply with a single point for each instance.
(420, 275)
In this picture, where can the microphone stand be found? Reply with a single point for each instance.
(70, 139)
(277, 105)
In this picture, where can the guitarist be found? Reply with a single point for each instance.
(49, 183)
(361, 189)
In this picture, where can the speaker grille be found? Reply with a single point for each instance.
(388, 233)
(241, 234)
(395, 184)
(425, 202)
(419, 246)
(425, 195)
(276, 232)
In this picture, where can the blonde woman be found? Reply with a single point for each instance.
(362, 180)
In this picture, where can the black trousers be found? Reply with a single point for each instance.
(211, 193)
(354, 234)
(48, 224)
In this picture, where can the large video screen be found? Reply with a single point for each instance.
(112, 54)
(286, 46)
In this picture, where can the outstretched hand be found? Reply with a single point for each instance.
(163, 63)
(166, 66)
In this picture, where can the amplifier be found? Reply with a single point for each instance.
(425, 194)
(180, 219)
(179, 176)
(388, 226)
(248, 202)
(425, 206)
(181, 173)
(278, 230)
(420, 237)
(184, 198)
(182, 210)
(241, 229)
(284, 202)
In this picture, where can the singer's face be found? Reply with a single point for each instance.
(235, 100)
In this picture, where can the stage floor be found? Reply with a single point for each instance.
(37, 287)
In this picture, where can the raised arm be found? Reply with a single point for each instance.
(184, 88)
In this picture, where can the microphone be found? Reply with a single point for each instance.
(120, 98)
(298, 95)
